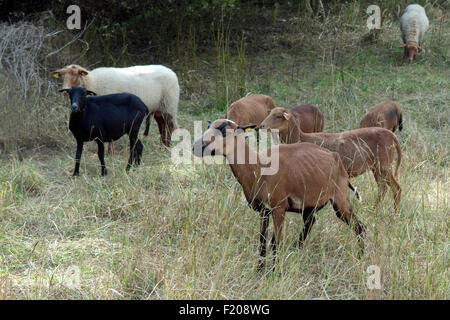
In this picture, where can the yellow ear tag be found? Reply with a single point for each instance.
(56, 75)
(247, 129)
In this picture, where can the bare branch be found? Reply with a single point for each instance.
(71, 41)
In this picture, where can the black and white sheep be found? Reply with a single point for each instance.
(156, 85)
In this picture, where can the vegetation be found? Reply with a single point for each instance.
(168, 231)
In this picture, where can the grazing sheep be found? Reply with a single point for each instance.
(310, 118)
(252, 109)
(104, 119)
(360, 149)
(156, 85)
(386, 115)
(413, 23)
(308, 177)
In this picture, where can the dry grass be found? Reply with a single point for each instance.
(169, 231)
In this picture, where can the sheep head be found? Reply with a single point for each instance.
(78, 98)
(72, 75)
(410, 50)
(278, 119)
(220, 138)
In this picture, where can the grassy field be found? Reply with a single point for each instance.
(168, 231)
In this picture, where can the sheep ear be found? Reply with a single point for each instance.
(64, 90)
(403, 45)
(286, 115)
(83, 73)
(419, 49)
(90, 93)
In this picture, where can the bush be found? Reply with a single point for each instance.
(27, 101)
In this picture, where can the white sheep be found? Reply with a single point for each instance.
(156, 85)
(413, 23)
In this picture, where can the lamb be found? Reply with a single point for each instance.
(386, 115)
(308, 177)
(310, 117)
(360, 149)
(251, 109)
(156, 85)
(413, 24)
(104, 119)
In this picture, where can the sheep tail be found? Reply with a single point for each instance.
(355, 191)
(399, 155)
(147, 123)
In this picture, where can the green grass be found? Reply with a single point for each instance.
(167, 231)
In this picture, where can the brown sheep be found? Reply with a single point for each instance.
(308, 177)
(360, 149)
(252, 109)
(386, 115)
(310, 118)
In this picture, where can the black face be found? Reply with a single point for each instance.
(200, 145)
(77, 98)
(201, 149)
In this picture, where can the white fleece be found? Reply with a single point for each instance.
(413, 23)
(156, 85)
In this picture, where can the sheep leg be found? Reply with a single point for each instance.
(308, 221)
(111, 149)
(101, 156)
(265, 213)
(263, 237)
(382, 185)
(344, 211)
(133, 139)
(138, 152)
(396, 190)
(278, 219)
(166, 126)
(78, 157)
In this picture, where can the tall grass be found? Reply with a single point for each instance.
(168, 231)
(231, 70)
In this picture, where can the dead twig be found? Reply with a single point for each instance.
(86, 26)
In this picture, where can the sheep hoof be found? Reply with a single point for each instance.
(261, 265)
(361, 252)
(299, 244)
(274, 267)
